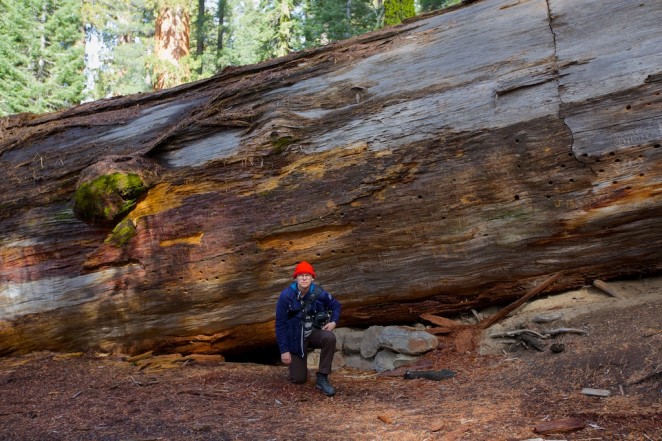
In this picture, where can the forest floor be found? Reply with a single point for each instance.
(499, 392)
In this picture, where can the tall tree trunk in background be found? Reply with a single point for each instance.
(285, 29)
(200, 37)
(348, 14)
(379, 7)
(171, 38)
(221, 29)
(41, 63)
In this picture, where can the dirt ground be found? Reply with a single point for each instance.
(500, 392)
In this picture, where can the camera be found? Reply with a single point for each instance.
(321, 318)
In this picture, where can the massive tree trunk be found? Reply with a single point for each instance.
(172, 43)
(451, 162)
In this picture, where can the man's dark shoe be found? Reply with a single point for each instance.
(324, 385)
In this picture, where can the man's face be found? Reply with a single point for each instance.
(304, 281)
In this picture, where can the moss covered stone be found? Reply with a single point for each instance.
(108, 197)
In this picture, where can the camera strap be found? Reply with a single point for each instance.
(310, 298)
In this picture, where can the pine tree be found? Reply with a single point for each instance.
(123, 34)
(397, 10)
(66, 80)
(324, 21)
(284, 31)
(41, 55)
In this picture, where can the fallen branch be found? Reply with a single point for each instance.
(603, 286)
(542, 334)
(513, 306)
(554, 332)
(516, 333)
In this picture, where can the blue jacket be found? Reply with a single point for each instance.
(289, 317)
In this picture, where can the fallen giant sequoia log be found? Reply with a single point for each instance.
(448, 163)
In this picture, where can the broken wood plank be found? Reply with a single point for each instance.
(513, 306)
(561, 425)
(607, 288)
(596, 392)
(441, 321)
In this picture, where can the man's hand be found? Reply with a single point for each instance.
(329, 326)
(286, 357)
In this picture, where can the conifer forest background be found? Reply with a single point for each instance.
(56, 54)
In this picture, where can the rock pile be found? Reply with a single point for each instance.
(378, 348)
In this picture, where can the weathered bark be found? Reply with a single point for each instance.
(452, 162)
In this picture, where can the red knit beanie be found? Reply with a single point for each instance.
(303, 268)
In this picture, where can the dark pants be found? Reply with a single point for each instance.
(324, 340)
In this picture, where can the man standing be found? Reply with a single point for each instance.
(305, 316)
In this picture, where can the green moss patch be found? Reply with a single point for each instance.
(122, 233)
(108, 198)
(280, 144)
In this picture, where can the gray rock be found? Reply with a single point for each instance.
(338, 361)
(406, 341)
(370, 341)
(352, 341)
(340, 337)
(387, 360)
(355, 361)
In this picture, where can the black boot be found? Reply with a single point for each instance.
(324, 385)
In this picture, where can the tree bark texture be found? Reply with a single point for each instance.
(172, 36)
(449, 163)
